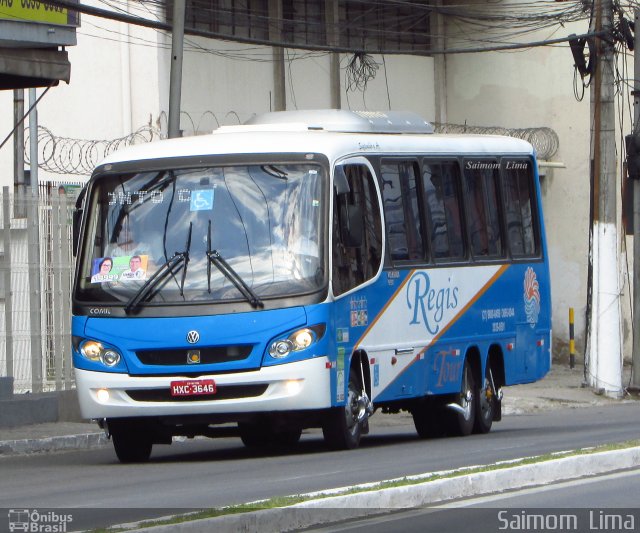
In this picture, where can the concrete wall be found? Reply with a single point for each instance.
(534, 88)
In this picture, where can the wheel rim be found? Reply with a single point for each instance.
(466, 396)
(486, 400)
(354, 410)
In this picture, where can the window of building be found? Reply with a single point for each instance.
(385, 25)
(361, 25)
(240, 18)
(304, 22)
(401, 211)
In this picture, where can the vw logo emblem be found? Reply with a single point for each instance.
(193, 336)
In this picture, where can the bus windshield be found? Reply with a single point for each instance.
(206, 234)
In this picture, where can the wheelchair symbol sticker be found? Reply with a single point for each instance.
(202, 200)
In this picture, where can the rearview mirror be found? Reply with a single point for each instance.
(351, 230)
(340, 181)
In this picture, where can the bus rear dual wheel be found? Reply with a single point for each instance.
(474, 414)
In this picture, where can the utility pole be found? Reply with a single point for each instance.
(177, 52)
(333, 39)
(18, 155)
(635, 371)
(279, 79)
(33, 139)
(604, 352)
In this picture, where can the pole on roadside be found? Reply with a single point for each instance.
(605, 344)
(635, 371)
(175, 80)
(33, 138)
(19, 186)
(572, 342)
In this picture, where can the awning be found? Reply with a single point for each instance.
(21, 68)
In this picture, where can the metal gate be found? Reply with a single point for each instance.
(36, 267)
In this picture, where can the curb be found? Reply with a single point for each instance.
(329, 510)
(52, 444)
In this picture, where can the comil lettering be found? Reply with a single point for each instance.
(6, 3)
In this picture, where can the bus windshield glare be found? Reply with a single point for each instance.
(255, 227)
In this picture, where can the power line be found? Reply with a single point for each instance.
(163, 26)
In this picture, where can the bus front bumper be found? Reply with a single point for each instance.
(293, 386)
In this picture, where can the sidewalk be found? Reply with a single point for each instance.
(561, 388)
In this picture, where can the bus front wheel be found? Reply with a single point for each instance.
(342, 428)
(132, 445)
(258, 435)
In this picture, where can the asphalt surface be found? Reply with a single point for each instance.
(561, 388)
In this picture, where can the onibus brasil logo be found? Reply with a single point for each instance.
(531, 297)
(32, 520)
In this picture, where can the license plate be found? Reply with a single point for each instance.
(193, 387)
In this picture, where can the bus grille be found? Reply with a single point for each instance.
(224, 392)
(212, 355)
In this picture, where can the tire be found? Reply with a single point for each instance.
(428, 419)
(253, 435)
(261, 435)
(131, 445)
(461, 424)
(287, 437)
(487, 404)
(341, 429)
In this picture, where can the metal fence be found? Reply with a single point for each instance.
(35, 288)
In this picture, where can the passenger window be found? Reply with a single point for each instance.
(483, 212)
(402, 215)
(353, 265)
(519, 207)
(442, 198)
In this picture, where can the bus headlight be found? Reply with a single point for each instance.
(97, 352)
(280, 349)
(298, 340)
(110, 358)
(91, 350)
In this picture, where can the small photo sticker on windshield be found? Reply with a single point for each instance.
(122, 268)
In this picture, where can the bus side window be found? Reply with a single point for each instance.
(483, 215)
(443, 200)
(353, 266)
(519, 206)
(402, 215)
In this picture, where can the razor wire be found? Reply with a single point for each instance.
(65, 155)
(544, 140)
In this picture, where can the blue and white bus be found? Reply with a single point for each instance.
(305, 270)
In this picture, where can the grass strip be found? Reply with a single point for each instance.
(287, 501)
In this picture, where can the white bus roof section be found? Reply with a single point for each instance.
(344, 121)
(286, 139)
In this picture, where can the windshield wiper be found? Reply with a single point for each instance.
(171, 267)
(214, 257)
(274, 171)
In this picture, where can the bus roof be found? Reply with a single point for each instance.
(304, 132)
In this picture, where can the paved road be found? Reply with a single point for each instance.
(206, 473)
(603, 503)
